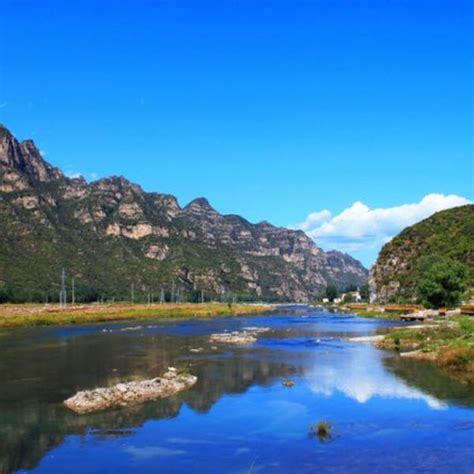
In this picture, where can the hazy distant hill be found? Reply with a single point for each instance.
(447, 233)
(110, 233)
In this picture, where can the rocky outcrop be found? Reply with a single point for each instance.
(24, 159)
(447, 233)
(156, 241)
(246, 336)
(124, 394)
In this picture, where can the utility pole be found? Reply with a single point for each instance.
(132, 293)
(73, 292)
(62, 293)
(173, 297)
(162, 296)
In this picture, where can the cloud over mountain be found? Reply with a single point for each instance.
(360, 228)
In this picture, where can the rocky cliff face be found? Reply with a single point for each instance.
(447, 233)
(110, 233)
(21, 163)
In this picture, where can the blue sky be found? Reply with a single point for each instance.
(274, 110)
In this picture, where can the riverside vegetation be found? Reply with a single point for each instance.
(449, 343)
(45, 315)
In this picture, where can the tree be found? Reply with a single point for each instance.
(4, 293)
(442, 282)
(331, 292)
(348, 298)
(365, 292)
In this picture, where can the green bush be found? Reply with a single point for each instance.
(442, 281)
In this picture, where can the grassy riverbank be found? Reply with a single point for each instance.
(449, 343)
(45, 315)
(376, 314)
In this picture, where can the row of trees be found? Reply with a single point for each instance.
(67, 293)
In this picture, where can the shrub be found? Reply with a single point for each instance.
(323, 430)
(442, 282)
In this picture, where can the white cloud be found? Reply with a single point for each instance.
(360, 228)
(76, 174)
(73, 174)
(315, 219)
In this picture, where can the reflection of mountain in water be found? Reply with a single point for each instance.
(29, 431)
(429, 378)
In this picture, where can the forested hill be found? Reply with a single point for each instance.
(447, 235)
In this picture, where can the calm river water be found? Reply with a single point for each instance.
(388, 415)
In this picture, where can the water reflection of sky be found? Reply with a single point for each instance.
(359, 374)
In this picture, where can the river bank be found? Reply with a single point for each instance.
(45, 315)
(449, 343)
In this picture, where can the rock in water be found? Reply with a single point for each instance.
(124, 394)
(246, 336)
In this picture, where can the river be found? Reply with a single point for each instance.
(388, 414)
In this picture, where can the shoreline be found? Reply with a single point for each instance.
(31, 315)
(449, 343)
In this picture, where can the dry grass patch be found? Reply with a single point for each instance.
(44, 315)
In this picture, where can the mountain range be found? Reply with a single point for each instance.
(110, 235)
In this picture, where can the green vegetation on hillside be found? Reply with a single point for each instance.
(104, 268)
(425, 261)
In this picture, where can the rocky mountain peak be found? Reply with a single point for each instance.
(200, 206)
(117, 184)
(24, 158)
(4, 131)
